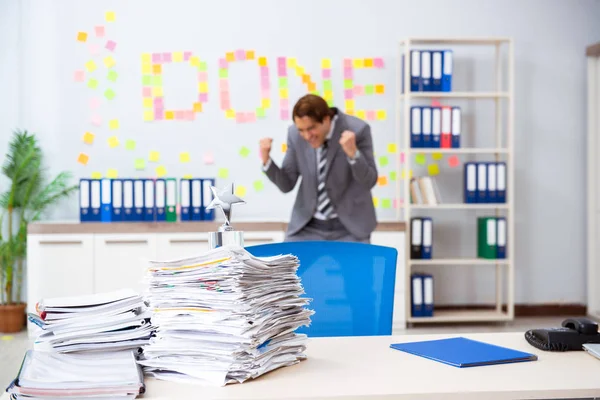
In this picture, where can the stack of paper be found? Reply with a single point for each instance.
(109, 375)
(107, 321)
(224, 317)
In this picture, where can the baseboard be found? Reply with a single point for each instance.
(527, 310)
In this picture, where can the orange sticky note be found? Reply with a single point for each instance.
(368, 62)
(262, 61)
(83, 158)
(161, 171)
(157, 69)
(379, 89)
(250, 55)
(312, 86)
(169, 114)
(82, 36)
(230, 56)
(197, 107)
(88, 138)
(433, 169)
(283, 147)
(382, 180)
(184, 157)
(112, 173)
(113, 141)
(154, 156)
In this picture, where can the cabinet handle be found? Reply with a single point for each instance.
(259, 240)
(61, 242)
(141, 241)
(188, 240)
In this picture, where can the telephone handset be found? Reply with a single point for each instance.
(573, 333)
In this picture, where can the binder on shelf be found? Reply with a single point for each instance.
(207, 197)
(501, 182)
(185, 199)
(481, 182)
(427, 295)
(470, 182)
(416, 137)
(117, 200)
(161, 199)
(415, 71)
(171, 200)
(416, 294)
(149, 200)
(491, 196)
(436, 127)
(138, 199)
(84, 200)
(196, 199)
(95, 201)
(416, 238)
(426, 139)
(426, 71)
(486, 237)
(436, 71)
(128, 203)
(446, 142)
(501, 237)
(106, 213)
(456, 125)
(447, 71)
(427, 239)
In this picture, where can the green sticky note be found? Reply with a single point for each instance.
(283, 82)
(147, 80)
(369, 89)
(112, 75)
(223, 73)
(327, 84)
(157, 80)
(329, 102)
(93, 83)
(348, 84)
(130, 144)
(259, 185)
(109, 94)
(383, 161)
(140, 163)
(386, 203)
(420, 159)
(244, 151)
(393, 176)
(260, 112)
(202, 66)
(223, 173)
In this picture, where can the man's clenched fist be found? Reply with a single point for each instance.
(348, 143)
(265, 149)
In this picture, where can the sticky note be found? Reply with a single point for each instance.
(110, 45)
(96, 120)
(283, 147)
(393, 176)
(260, 112)
(147, 80)
(437, 156)
(177, 56)
(113, 124)
(7, 337)
(358, 63)
(109, 94)
(402, 158)
(112, 173)
(368, 62)
(291, 62)
(379, 89)
(184, 157)
(148, 115)
(433, 169)
(376, 202)
(96, 175)
(110, 16)
(161, 171)
(371, 115)
(99, 31)
(223, 173)
(383, 161)
(88, 138)
(349, 104)
(157, 69)
(392, 148)
(113, 141)
(244, 151)
(382, 181)
(197, 107)
(362, 114)
(369, 89)
(112, 76)
(130, 144)
(90, 66)
(157, 91)
(169, 115)
(453, 161)
(230, 56)
(154, 156)
(404, 173)
(381, 115)
(386, 203)
(420, 159)
(240, 191)
(79, 76)
(188, 176)
(262, 61)
(92, 83)
(109, 62)
(208, 158)
(82, 36)
(378, 62)
(258, 185)
(139, 164)
(83, 158)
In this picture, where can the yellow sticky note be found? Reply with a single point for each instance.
(433, 169)
(376, 201)
(392, 147)
(195, 61)
(240, 191)
(230, 114)
(404, 174)
(96, 175)
(169, 114)
(223, 173)
(157, 91)
(379, 89)
(110, 16)
(437, 156)
(283, 93)
(230, 56)
(362, 114)
(358, 63)
(250, 55)
(130, 144)
(188, 176)
(113, 124)
(420, 159)
(90, 66)
(146, 58)
(148, 115)
(349, 104)
(113, 141)
(148, 103)
(184, 157)
(283, 147)
(328, 94)
(154, 156)
(262, 61)
(83, 158)
(266, 103)
(381, 115)
(112, 173)
(202, 87)
(291, 62)
(109, 62)
(161, 171)
(88, 138)
(197, 107)
(326, 63)
(140, 164)
(146, 68)
(177, 56)
(82, 36)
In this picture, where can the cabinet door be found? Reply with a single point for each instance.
(59, 265)
(121, 260)
(262, 237)
(179, 245)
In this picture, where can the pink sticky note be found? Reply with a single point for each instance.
(402, 158)
(240, 117)
(348, 94)
(359, 90)
(225, 104)
(187, 55)
(99, 31)
(203, 97)
(202, 76)
(180, 115)
(178, 209)
(453, 161)
(347, 63)
(159, 114)
(348, 73)
(264, 93)
(224, 95)
(147, 92)
(94, 102)
(94, 49)
(208, 158)
(111, 45)
(223, 85)
(158, 102)
(96, 120)
(264, 71)
(371, 115)
(281, 62)
(190, 115)
(378, 62)
(281, 71)
(435, 103)
(326, 73)
(284, 114)
(166, 57)
(223, 64)
(251, 116)
(79, 76)
(240, 54)
(264, 83)
(284, 103)
(156, 58)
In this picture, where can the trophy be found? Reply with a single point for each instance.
(226, 235)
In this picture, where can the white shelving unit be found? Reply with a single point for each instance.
(502, 93)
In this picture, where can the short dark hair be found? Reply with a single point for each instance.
(312, 106)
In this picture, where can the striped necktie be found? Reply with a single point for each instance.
(324, 205)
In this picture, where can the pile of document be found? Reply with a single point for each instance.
(108, 375)
(111, 321)
(224, 317)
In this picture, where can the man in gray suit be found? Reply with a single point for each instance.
(333, 153)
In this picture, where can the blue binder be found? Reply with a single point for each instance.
(416, 137)
(84, 200)
(185, 199)
(492, 182)
(426, 71)
(95, 214)
(196, 199)
(456, 126)
(482, 189)
(149, 200)
(415, 71)
(161, 199)
(207, 197)
(427, 237)
(436, 71)
(106, 203)
(117, 200)
(501, 235)
(427, 281)
(463, 352)
(447, 71)
(128, 203)
(138, 199)
(470, 182)
(501, 182)
(436, 127)
(426, 118)
(416, 295)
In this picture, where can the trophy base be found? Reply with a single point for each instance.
(225, 238)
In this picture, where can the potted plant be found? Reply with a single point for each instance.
(25, 200)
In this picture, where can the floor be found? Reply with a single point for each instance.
(13, 347)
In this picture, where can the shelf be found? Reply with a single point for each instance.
(459, 206)
(465, 150)
(458, 261)
(457, 95)
(462, 316)
(456, 41)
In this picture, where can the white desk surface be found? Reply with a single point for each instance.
(367, 368)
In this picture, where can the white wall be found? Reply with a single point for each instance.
(550, 39)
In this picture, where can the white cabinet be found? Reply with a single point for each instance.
(170, 246)
(120, 260)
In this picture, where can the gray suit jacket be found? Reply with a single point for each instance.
(348, 185)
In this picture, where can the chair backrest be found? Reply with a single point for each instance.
(351, 285)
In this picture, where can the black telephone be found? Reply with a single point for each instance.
(573, 333)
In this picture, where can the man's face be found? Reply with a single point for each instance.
(312, 131)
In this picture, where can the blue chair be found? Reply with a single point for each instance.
(351, 285)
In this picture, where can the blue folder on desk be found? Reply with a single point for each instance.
(462, 352)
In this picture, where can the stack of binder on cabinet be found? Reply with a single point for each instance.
(430, 70)
(421, 295)
(485, 182)
(491, 237)
(109, 375)
(224, 317)
(435, 127)
(421, 238)
(112, 321)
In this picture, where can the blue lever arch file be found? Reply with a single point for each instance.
(463, 352)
